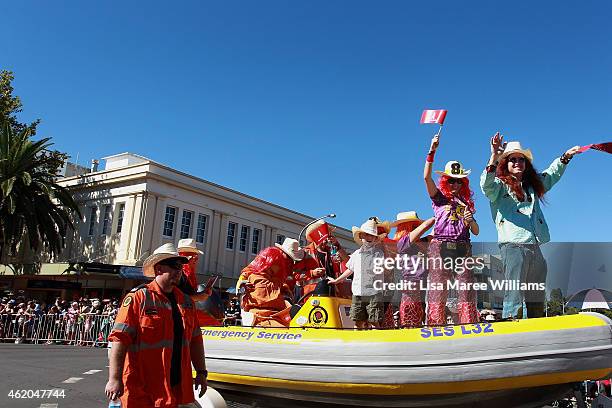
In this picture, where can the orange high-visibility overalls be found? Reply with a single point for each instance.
(144, 323)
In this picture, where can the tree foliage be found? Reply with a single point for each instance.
(33, 207)
(11, 105)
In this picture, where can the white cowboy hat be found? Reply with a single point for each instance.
(454, 169)
(407, 216)
(292, 248)
(166, 251)
(515, 147)
(368, 227)
(384, 226)
(188, 245)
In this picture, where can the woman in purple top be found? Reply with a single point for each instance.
(450, 247)
(412, 249)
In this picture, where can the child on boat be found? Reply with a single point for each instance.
(409, 229)
(367, 307)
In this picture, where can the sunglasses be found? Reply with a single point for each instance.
(454, 181)
(514, 160)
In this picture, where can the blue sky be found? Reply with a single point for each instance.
(315, 105)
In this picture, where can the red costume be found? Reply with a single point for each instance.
(305, 274)
(318, 255)
(189, 269)
(266, 276)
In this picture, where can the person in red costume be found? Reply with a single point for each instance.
(189, 283)
(265, 281)
(324, 256)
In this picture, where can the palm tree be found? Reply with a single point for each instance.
(33, 206)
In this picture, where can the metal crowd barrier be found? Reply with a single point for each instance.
(85, 329)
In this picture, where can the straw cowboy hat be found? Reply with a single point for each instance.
(188, 245)
(407, 216)
(368, 227)
(515, 147)
(454, 169)
(292, 248)
(166, 251)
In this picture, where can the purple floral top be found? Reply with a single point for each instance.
(449, 215)
(415, 264)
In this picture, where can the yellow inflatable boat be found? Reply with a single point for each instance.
(319, 360)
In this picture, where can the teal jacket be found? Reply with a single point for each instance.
(516, 221)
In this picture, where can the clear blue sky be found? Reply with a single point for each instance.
(315, 105)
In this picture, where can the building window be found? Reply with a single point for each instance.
(280, 238)
(255, 241)
(231, 235)
(93, 211)
(244, 238)
(186, 224)
(120, 217)
(107, 219)
(169, 220)
(201, 229)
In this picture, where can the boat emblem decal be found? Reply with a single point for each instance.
(318, 316)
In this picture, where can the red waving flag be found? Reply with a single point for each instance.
(433, 116)
(604, 147)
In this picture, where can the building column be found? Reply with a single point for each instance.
(216, 232)
(158, 223)
(135, 204)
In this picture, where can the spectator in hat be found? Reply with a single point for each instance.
(409, 229)
(264, 281)
(367, 307)
(515, 190)
(323, 256)
(72, 316)
(453, 207)
(144, 371)
(189, 284)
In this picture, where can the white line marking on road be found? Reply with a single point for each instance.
(91, 372)
(72, 380)
(48, 406)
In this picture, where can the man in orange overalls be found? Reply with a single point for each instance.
(156, 339)
(265, 281)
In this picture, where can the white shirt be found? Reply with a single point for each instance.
(361, 263)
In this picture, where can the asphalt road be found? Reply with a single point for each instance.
(80, 372)
(74, 376)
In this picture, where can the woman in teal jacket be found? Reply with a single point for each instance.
(515, 190)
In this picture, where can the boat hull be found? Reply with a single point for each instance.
(280, 398)
(475, 362)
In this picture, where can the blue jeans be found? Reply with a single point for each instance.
(523, 263)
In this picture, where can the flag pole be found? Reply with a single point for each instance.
(439, 130)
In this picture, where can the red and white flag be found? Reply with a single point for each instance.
(433, 116)
(604, 147)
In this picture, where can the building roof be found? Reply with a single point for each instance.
(126, 160)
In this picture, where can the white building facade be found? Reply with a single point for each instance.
(134, 205)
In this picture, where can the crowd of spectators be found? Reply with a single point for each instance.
(60, 320)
